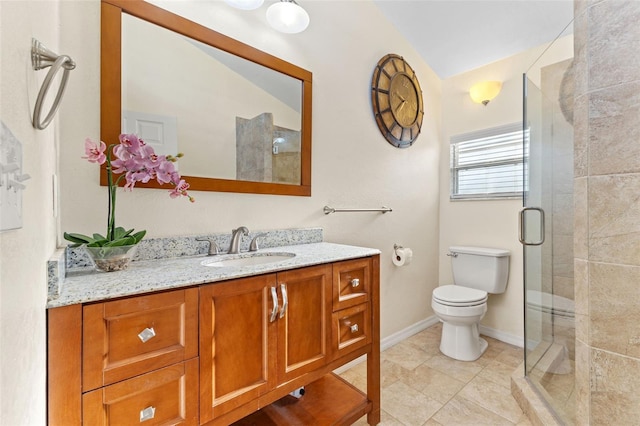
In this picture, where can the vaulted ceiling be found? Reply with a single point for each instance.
(454, 36)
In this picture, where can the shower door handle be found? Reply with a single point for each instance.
(521, 235)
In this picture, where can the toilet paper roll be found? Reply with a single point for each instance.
(402, 256)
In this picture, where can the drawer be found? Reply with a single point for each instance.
(351, 283)
(166, 396)
(351, 329)
(128, 337)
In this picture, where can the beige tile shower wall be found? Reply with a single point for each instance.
(607, 211)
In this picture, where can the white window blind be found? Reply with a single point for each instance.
(488, 163)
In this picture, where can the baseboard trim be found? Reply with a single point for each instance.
(403, 334)
(502, 336)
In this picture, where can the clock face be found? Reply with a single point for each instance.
(396, 99)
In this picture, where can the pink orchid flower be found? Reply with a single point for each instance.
(181, 190)
(95, 153)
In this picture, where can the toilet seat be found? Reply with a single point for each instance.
(455, 295)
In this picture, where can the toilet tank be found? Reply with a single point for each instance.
(481, 268)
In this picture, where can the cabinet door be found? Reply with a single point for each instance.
(304, 320)
(237, 342)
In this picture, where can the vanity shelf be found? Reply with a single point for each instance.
(327, 401)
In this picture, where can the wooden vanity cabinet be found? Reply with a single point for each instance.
(221, 353)
(258, 333)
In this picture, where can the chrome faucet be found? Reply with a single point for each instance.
(236, 238)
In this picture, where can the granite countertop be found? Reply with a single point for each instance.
(146, 276)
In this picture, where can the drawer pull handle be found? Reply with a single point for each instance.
(285, 299)
(274, 311)
(354, 328)
(148, 413)
(355, 283)
(147, 334)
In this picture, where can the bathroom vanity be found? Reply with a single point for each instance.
(173, 341)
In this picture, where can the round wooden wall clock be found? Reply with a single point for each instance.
(396, 98)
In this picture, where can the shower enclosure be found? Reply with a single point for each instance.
(546, 231)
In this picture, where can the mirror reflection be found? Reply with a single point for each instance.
(235, 119)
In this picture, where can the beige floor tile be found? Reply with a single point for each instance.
(462, 412)
(426, 341)
(493, 397)
(498, 373)
(432, 382)
(524, 421)
(511, 356)
(460, 370)
(390, 372)
(405, 404)
(405, 355)
(357, 376)
(422, 387)
(432, 422)
(386, 419)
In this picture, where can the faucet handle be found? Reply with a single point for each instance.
(213, 246)
(254, 242)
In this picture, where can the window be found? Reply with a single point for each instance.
(488, 163)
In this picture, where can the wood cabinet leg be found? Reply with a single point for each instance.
(64, 356)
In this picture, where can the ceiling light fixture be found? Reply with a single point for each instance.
(245, 4)
(287, 16)
(485, 91)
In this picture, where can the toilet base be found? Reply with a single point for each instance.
(462, 342)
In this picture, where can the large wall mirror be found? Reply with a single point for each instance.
(242, 117)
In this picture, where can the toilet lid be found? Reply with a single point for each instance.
(455, 295)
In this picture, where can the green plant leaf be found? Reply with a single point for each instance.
(120, 232)
(98, 237)
(77, 239)
(139, 236)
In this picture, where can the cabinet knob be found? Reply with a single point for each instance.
(147, 334)
(355, 282)
(147, 414)
(354, 328)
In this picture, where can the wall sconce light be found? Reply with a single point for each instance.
(286, 16)
(485, 91)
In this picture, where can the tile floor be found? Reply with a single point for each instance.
(422, 387)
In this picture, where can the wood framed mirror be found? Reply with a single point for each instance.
(282, 164)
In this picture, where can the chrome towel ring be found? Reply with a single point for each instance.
(41, 58)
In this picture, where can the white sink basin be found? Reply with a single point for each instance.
(246, 259)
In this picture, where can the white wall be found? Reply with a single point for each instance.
(488, 223)
(23, 252)
(353, 165)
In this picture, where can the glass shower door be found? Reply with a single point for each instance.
(546, 232)
(535, 233)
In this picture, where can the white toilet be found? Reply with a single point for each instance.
(477, 271)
